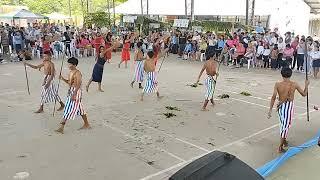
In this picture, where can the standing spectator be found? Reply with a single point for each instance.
(17, 41)
(274, 57)
(67, 43)
(182, 44)
(174, 44)
(259, 55)
(220, 45)
(288, 54)
(259, 28)
(300, 54)
(5, 43)
(287, 39)
(266, 54)
(281, 47)
(294, 45)
(315, 57)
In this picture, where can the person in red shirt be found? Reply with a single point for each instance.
(97, 42)
(240, 50)
(125, 54)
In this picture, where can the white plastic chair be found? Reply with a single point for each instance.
(202, 56)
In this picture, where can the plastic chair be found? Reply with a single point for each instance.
(202, 56)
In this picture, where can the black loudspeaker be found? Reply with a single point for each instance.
(217, 166)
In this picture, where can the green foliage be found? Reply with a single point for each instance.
(99, 19)
(145, 21)
(214, 25)
(78, 7)
(45, 6)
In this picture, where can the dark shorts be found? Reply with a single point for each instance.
(316, 63)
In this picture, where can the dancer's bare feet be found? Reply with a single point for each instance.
(159, 97)
(212, 102)
(61, 107)
(204, 109)
(131, 84)
(281, 150)
(60, 130)
(39, 111)
(86, 126)
(100, 90)
(285, 143)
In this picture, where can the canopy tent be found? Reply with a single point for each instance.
(22, 14)
(58, 16)
(287, 15)
(177, 7)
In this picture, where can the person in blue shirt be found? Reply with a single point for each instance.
(188, 49)
(174, 44)
(259, 28)
(17, 41)
(220, 45)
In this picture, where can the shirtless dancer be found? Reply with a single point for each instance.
(49, 91)
(73, 104)
(285, 108)
(138, 73)
(211, 69)
(151, 84)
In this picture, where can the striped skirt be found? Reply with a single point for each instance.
(73, 108)
(50, 94)
(151, 84)
(138, 72)
(209, 83)
(285, 111)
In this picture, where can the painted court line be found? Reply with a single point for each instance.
(255, 97)
(10, 93)
(219, 148)
(132, 137)
(178, 139)
(264, 94)
(194, 158)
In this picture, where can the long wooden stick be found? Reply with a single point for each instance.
(164, 57)
(306, 59)
(55, 101)
(25, 70)
(215, 84)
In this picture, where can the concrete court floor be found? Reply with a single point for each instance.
(132, 139)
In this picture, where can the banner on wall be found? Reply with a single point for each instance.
(184, 23)
(129, 19)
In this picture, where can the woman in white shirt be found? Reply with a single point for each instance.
(281, 47)
(315, 57)
(259, 53)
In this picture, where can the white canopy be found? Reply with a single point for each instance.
(201, 7)
(22, 14)
(58, 16)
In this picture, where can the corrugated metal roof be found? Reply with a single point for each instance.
(314, 5)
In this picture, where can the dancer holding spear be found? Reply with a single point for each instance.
(49, 91)
(285, 107)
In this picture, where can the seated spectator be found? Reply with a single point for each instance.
(188, 49)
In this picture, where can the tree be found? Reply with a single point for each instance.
(44, 6)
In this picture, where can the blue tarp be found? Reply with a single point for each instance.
(273, 165)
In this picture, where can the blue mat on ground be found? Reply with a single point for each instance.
(273, 165)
